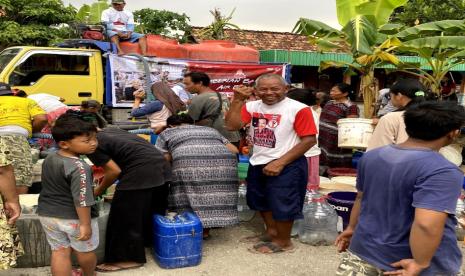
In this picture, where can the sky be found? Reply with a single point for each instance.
(263, 15)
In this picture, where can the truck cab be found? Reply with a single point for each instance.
(72, 74)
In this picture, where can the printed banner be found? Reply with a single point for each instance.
(128, 74)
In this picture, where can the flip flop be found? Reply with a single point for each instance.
(118, 268)
(274, 248)
(256, 239)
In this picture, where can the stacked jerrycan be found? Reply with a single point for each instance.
(319, 226)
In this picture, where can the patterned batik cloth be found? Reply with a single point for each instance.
(10, 245)
(205, 176)
(352, 265)
(17, 152)
(331, 154)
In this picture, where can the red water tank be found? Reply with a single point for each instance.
(222, 50)
(158, 46)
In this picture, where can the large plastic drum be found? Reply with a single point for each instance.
(354, 132)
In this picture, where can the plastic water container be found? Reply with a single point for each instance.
(245, 214)
(354, 132)
(177, 240)
(320, 223)
(311, 193)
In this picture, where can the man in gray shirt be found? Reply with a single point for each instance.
(208, 107)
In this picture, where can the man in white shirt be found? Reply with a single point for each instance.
(120, 26)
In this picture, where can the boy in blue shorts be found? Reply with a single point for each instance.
(67, 207)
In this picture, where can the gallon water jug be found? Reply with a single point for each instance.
(319, 224)
(177, 240)
(311, 193)
(245, 214)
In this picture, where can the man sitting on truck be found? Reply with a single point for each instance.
(120, 26)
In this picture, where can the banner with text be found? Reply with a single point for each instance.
(127, 74)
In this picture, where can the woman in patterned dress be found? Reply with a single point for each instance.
(204, 168)
(339, 107)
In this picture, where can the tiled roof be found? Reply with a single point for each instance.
(265, 40)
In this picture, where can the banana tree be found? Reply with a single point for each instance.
(359, 37)
(440, 44)
(91, 14)
(216, 29)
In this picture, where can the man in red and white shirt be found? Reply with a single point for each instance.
(277, 176)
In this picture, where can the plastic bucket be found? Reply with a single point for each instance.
(354, 132)
(342, 202)
(332, 172)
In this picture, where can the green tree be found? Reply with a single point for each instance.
(33, 22)
(423, 11)
(162, 22)
(220, 23)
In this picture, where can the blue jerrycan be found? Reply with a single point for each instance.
(177, 240)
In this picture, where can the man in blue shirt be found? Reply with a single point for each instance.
(403, 220)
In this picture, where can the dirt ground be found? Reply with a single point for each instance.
(224, 255)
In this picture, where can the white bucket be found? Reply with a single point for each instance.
(354, 132)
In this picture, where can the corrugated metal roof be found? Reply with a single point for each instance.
(306, 58)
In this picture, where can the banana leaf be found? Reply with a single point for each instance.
(315, 28)
(96, 10)
(83, 13)
(390, 42)
(337, 64)
(380, 38)
(432, 28)
(391, 28)
(380, 9)
(434, 43)
(346, 10)
(326, 45)
(361, 34)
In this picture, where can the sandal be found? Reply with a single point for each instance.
(256, 239)
(106, 268)
(272, 247)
